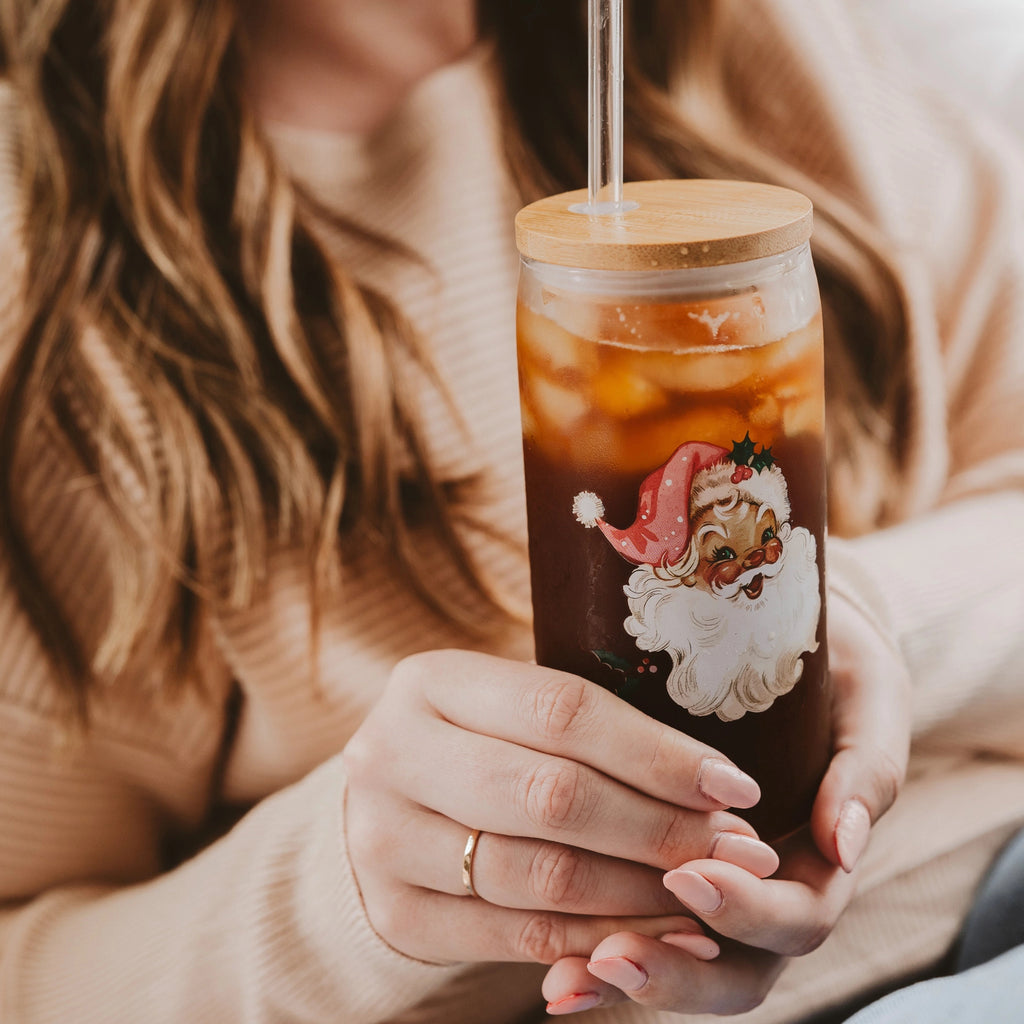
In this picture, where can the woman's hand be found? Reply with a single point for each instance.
(583, 801)
(761, 921)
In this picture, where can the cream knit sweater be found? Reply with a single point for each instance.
(266, 925)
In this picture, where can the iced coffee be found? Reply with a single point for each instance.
(673, 433)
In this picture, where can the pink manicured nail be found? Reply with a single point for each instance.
(620, 972)
(727, 784)
(695, 891)
(750, 854)
(851, 833)
(698, 946)
(576, 1003)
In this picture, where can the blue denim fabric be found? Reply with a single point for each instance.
(988, 986)
(991, 993)
(996, 921)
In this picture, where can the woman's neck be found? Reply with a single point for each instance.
(346, 65)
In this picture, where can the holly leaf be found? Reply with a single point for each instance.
(742, 451)
(763, 460)
(613, 660)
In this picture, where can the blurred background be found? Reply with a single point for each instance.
(971, 49)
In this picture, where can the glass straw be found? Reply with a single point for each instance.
(604, 109)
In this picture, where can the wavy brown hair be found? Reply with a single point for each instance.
(192, 259)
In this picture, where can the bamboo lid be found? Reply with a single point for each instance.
(682, 223)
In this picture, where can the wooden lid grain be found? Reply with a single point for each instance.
(676, 224)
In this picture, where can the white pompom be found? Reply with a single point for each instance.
(588, 508)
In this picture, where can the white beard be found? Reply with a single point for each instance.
(731, 654)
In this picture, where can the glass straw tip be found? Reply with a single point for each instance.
(604, 209)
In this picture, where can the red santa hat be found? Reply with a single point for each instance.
(660, 534)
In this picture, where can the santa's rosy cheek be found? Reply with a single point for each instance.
(721, 574)
(773, 550)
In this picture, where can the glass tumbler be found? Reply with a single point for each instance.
(672, 395)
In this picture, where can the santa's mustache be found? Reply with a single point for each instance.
(766, 570)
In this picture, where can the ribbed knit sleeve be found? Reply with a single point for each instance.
(953, 594)
(265, 925)
(949, 578)
(946, 194)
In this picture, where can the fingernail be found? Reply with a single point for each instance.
(620, 972)
(745, 852)
(851, 833)
(695, 891)
(576, 1003)
(727, 784)
(698, 946)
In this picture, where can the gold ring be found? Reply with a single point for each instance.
(467, 862)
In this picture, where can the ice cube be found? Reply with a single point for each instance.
(555, 408)
(618, 392)
(543, 341)
(804, 416)
(699, 371)
(766, 415)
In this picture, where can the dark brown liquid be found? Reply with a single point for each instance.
(579, 608)
(578, 577)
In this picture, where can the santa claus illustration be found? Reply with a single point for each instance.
(724, 583)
